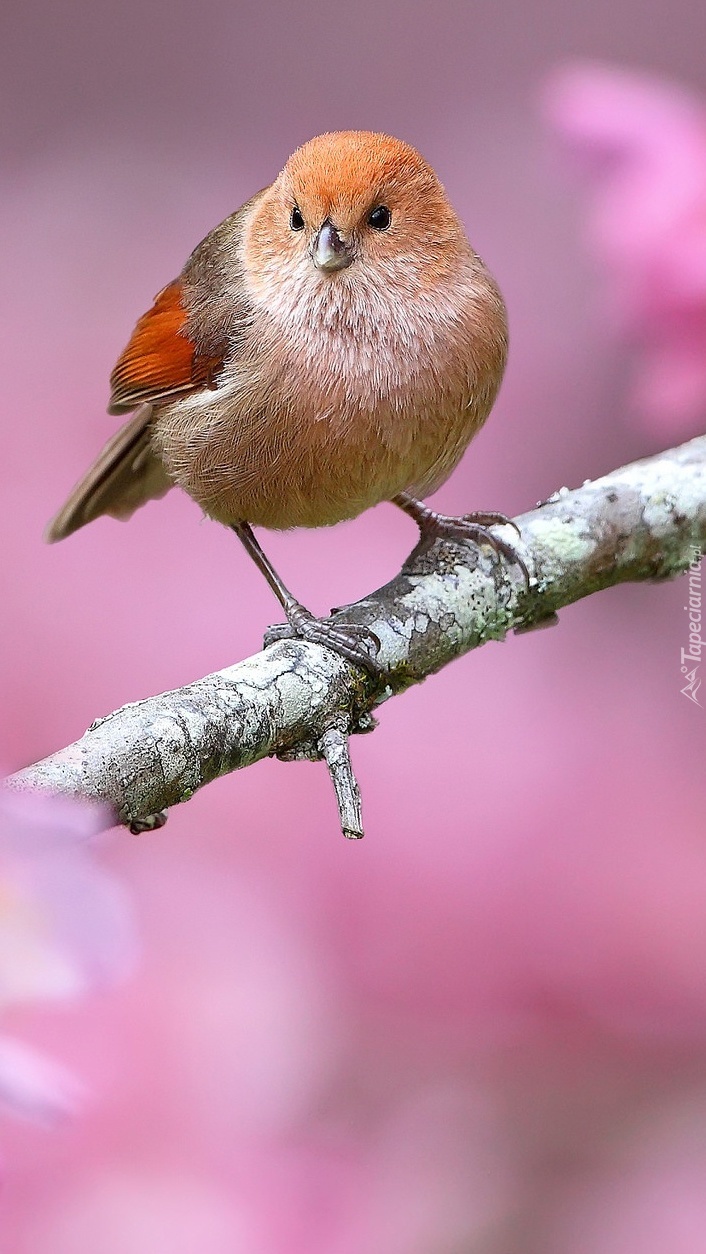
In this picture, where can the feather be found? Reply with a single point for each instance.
(161, 361)
(125, 475)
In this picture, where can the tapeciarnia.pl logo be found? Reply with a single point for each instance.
(691, 657)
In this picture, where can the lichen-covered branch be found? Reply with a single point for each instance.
(295, 699)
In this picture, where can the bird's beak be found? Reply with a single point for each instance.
(330, 252)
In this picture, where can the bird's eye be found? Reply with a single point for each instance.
(379, 218)
(296, 220)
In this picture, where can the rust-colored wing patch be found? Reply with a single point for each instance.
(161, 361)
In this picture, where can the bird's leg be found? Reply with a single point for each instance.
(349, 641)
(475, 527)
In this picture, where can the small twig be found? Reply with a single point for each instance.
(334, 745)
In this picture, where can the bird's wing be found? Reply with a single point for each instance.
(180, 344)
(160, 364)
(173, 351)
(124, 476)
(161, 361)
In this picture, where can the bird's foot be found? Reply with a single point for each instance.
(475, 527)
(357, 644)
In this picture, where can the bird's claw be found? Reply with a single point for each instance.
(476, 527)
(485, 518)
(349, 641)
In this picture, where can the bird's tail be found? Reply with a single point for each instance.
(125, 475)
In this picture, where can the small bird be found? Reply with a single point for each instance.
(334, 343)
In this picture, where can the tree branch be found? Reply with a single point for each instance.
(294, 699)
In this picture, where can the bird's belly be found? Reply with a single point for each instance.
(281, 466)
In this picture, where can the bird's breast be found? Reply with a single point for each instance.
(330, 407)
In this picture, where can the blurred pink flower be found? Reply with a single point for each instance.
(65, 929)
(642, 144)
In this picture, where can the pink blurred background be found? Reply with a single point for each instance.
(483, 1029)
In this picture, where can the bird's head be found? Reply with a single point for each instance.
(353, 208)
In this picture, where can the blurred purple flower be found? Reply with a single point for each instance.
(65, 929)
(642, 145)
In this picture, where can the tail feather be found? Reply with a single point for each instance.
(125, 475)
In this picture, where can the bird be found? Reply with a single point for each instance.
(333, 344)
